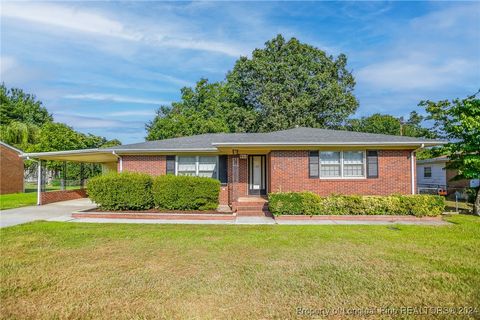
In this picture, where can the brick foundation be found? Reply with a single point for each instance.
(356, 218)
(154, 216)
(63, 195)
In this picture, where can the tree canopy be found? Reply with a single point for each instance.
(290, 83)
(18, 106)
(459, 122)
(284, 84)
(388, 124)
(27, 125)
(207, 108)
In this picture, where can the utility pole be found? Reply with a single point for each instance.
(402, 122)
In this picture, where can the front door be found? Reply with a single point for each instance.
(256, 175)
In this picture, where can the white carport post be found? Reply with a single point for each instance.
(39, 182)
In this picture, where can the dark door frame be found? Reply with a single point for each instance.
(263, 178)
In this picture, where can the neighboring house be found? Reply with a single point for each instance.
(432, 174)
(11, 166)
(255, 164)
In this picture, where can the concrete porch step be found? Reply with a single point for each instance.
(251, 207)
(261, 199)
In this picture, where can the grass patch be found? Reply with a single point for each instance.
(28, 198)
(32, 187)
(463, 207)
(16, 200)
(104, 271)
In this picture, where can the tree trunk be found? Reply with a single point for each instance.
(476, 206)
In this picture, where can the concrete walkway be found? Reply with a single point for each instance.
(21, 215)
(245, 221)
(62, 212)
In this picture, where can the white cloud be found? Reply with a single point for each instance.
(132, 113)
(86, 122)
(64, 17)
(15, 73)
(172, 79)
(78, 19)
(406, 74)
(114, 98)
(434, 52)
(7, 64)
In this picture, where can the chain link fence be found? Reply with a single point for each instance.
(457, 199)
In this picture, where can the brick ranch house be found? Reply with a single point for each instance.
(255, 164)
(11, 166)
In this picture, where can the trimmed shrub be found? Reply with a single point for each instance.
(121, 191)
(185, 193)
(286, 203)
(308, 203)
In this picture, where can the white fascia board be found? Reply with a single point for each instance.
(60, 153)
(127, 151)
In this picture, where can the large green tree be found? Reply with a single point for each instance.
(58, 137)
(388, 124)
(208, 108)
(290, 83)
(459, 122)
(285, 84)
(20, 135)
(16, 105)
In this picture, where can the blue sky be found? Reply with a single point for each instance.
(104, 67)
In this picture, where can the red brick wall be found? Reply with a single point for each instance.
(64, 195)
(224, 197)
(11, 175)
(239, 188)
(289, 172)
(153, 165)
(156, 166)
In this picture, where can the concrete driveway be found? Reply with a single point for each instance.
(16, 216)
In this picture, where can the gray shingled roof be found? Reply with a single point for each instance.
(296, 136)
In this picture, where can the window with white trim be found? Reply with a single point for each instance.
(207, 166)
(202, 166)
(342, 164)
(330, 164)
(353, 163)
(186, 166)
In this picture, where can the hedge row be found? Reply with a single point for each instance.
(137, 191)
(185, 193)
(308, 203)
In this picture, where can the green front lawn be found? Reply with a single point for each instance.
(29, 198)
(123, 271)
(16, 200)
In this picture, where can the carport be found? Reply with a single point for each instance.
(107, 158)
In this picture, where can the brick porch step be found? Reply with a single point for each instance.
(250, 206)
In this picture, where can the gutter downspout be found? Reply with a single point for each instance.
(120, 167)
(412, 167)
